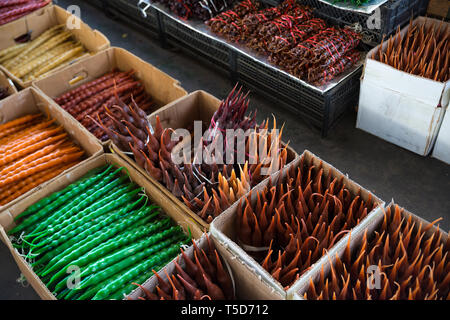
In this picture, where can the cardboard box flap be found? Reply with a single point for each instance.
(427, 91)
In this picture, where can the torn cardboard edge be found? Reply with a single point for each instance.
(181, 113)
(30, 101)
(93, 40)
(5, 82)
(223, 227)
(161, 87)
(355, 239)
(7, 223)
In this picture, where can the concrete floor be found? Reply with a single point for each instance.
(422, 185)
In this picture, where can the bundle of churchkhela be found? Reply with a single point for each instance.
(296, 220)
(229, 17)
(294, 40)
(199, 9)
(206, 187)
(204, 277)
(413, 264)
(97, 98)
(422, 50)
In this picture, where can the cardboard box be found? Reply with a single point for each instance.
(5, 82)
(30, 101)
(441, 149)
(7, 217)
(198, 105)
(356, 237)
(399, 107)
(223, 227)
(93, 40)
(160, 86)
(246, 288)
(439, 8)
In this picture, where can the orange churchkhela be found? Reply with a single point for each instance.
(413, 264)
(33, 150)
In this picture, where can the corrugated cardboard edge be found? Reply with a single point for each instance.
(171, 117)
(31, 101)
(7, 83)
(217, 227)
(356, 236)
(61, 16)
(70, 177)
(111, 58)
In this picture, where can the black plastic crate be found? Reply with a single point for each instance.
(323, 110)
(393, 13)
(184, 37)
(129, 12)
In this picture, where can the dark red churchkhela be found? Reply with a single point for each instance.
(204, 277)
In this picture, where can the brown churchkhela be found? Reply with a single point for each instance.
(413, 265)
(207, 189)
(204, 277)
(97, 96)
(298, 219)
(422, 50)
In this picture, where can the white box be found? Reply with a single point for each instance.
(442, 147)
(399, 107)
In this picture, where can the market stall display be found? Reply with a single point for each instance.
(112, 175)
(11, 10)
